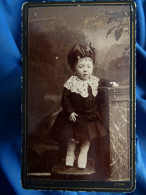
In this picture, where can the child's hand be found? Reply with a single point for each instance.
(72, 117)
(114, 84)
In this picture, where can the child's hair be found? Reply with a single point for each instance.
(80, 51)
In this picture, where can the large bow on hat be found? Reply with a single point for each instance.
(80, 51)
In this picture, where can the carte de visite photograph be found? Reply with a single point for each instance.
(78, 109)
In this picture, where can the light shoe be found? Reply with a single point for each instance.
(70, 156)
(82, 161)
(69, 160)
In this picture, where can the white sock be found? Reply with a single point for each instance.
(70, 156)
(82, 159)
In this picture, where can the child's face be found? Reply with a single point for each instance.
(84, 68)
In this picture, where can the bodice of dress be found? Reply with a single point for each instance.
(74, 102)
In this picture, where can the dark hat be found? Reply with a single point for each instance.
(80, 51)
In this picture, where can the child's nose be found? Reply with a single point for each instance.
(85, 69)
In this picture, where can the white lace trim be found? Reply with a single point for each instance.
(76, 85)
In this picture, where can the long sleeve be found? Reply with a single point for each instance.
(104, 83)
(102, 100)
(66, 101)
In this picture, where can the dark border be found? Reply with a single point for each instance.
(100, 186)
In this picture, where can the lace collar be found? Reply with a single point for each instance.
(76, 85)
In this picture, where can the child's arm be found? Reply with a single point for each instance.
(66, 105)
(66, 101)
(106, 83)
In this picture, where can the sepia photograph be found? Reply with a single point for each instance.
(78, 93)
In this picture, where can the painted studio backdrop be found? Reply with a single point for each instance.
(52, 32)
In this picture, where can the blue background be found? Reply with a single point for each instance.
(10, 100)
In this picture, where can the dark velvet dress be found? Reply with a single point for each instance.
(91, 119)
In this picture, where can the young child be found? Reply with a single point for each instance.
(80, 121)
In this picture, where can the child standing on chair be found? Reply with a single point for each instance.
(80, 121)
